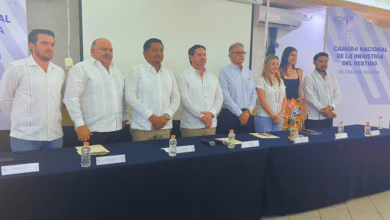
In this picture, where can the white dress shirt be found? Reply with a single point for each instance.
(198, 94)
(273, 95)
(32, 99)
(149, 92)
(95, 97)
(320, 93)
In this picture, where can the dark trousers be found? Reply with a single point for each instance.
(122, 135)
(311, 124)
(227, 120)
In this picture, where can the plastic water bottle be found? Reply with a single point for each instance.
(367, 129)
(380, 123)
(231, 139)
(172, 146)
(341, 127)
(86, 155)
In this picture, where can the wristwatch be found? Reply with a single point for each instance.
(167, 116)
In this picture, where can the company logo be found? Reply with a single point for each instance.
(344, 23)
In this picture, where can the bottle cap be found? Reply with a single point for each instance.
(231, 131)
(380, 116)
(367, 123)
(86, 143)
(341, 122)
(173, 136)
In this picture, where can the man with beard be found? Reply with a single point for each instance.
(94, 96)
(201, 96)
(31, 93)
(322, 94)
(152, 93)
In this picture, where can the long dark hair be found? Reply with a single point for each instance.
(284, 62)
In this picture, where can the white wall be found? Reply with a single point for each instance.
(308, 40)
(180, 24)
(53, 15)
(385, 4)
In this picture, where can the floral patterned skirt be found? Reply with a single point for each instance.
(293, 115)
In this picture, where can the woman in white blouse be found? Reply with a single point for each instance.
(272, 97)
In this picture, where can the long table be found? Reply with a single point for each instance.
(210, 183)
(325, 171)
(278, 177)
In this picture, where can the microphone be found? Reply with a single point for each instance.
(208, 142)
(221, 142)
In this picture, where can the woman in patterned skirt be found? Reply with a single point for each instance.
(292, 78)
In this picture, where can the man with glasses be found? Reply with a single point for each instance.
(239, 93)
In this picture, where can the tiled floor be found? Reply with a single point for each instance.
(374, 207)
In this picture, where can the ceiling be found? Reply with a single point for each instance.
(378, 16)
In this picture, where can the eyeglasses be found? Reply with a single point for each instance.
(240, 53)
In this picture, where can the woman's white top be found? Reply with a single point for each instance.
(273, 96)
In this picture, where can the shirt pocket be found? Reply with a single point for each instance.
(145, 84)
(249, 83)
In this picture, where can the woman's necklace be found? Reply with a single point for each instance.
(277, 96)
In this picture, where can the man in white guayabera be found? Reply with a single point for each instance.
(94, 96)
(31, 93)
(152, 93)
(322, 94)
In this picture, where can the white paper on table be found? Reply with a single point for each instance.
(299, 140)
(341, 135)
(182, 149)
(20, 168)
(248, 144)
(121, 158)
(375, 133)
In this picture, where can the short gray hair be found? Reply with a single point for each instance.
(231, 48)
(94, 43)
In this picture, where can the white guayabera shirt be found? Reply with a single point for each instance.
(94, 97)
(149, 92)
(199, 94)
(320, 93)
(32, 99)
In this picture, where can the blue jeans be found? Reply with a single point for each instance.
(24, 145)
(266, 124)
